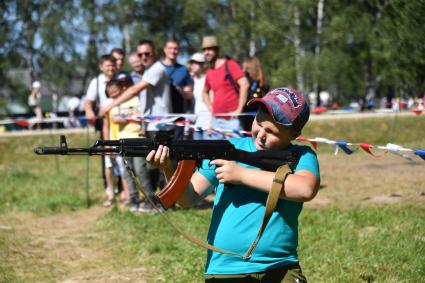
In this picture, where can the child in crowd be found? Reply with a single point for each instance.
(120, 128)
(203, 119)
(242, 190)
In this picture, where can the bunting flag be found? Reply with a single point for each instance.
(313, 143)
(186, 120)
(398, 150)
(367, 148)
(417, 111)
(420, 153)
(344, 146)
(350, 148)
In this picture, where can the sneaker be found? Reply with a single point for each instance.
(147, 208)
(108, 203)
(134, 208)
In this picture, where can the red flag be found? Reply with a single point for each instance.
(313, 143)
(367, 147)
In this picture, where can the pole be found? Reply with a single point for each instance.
(88, 201)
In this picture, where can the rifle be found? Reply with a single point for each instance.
(188, 154)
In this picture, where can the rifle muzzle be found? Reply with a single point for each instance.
(50, 150)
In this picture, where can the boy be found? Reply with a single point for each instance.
(238, 209)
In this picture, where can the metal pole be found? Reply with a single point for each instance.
(88, 201)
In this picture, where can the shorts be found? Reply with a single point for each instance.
(291, 273)
(108, 161)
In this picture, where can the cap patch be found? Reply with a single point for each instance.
(282, 98)
(292, 96)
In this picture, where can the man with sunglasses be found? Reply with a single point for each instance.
(153, 88)
(154, 94)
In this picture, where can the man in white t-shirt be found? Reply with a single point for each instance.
(96, 95)
(96, 89)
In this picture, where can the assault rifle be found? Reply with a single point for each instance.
(188, 153)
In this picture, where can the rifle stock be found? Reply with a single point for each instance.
(189, 154)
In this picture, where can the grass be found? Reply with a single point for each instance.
(344, 239)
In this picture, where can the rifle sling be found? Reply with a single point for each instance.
(273, 197)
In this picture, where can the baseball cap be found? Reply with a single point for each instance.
(209, 42)
(287, 107)
(123, 77)
(36, 84)
(198, 57)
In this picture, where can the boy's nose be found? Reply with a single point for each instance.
(261, 135)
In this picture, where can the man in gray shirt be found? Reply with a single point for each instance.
(155, 81)
(154, 94)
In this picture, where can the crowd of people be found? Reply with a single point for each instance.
(213, 87)
(253, 235)
(218, 90)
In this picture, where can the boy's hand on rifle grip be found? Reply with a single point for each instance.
(228, 171)
(160, 158)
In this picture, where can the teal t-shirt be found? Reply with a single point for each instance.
(237, 215)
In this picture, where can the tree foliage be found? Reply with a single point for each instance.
(366, 47)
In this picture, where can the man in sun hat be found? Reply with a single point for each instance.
(227, 81)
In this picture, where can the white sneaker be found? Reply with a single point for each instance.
(147, 208)
(134, 208)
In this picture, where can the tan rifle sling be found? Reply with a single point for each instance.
(278, 184)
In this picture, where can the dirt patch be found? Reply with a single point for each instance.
(384, 199)
(62, 247)
(362, 179)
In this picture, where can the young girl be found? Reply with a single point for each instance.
(121, 128)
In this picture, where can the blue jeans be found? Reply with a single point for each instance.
(201, 135)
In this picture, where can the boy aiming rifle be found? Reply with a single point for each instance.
(242, 191)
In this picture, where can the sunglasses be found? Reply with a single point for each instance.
(146, 54)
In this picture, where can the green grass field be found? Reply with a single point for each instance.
(48, 234)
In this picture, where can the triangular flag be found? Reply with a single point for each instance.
(313, 143)
(417, 111)
(420, 153)
(344, 146)
(366, 147)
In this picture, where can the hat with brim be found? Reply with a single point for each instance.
(209, 42)
(287, 107)
(198, 57)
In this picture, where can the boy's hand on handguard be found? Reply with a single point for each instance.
(160, 158)
(228, 171)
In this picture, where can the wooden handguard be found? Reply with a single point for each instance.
(177, 184)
